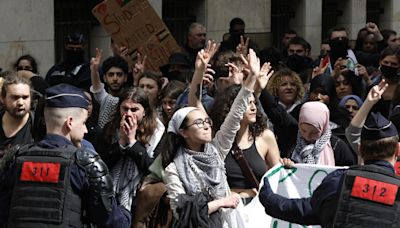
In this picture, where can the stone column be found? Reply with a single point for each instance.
(391, 17)
(308, 22)
(354, 16)
(27, 28)
(255, 13)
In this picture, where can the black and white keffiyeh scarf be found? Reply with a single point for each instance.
(201, 171)
(309, 153)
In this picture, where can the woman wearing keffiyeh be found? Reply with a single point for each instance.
(195, 174)
(315, 142)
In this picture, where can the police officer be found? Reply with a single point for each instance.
(362, 195)
(57, 183)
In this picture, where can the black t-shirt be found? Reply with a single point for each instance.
(23, 136)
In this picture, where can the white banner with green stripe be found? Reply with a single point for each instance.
(298, 182)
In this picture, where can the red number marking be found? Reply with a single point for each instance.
(373, 190)
(40, 172)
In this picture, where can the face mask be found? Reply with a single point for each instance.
(74, 57)
(298, 63)
(339, 48)
(388, 72)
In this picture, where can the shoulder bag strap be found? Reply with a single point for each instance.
(244, 165)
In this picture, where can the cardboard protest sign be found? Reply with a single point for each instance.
(136, 25)
(299, 182)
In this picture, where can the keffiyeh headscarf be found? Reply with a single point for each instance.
(320, 152)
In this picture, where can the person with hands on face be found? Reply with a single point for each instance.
(194, 162)
(130, 143)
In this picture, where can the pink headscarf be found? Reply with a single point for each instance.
(316, 114)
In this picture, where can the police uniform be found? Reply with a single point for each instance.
(54, 184)
(362, 196)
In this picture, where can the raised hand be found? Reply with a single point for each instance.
(208, 78)
(319, 69)
(373, 28)
(235, 74)
(362, 71)
(243, 46)
(204, 56)
(252, 63)
(375, 94)
(95, 61)
(265, 74)
(139, 67)
(337, 67)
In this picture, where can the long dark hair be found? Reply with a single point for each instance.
(146, 127)
(223, 104)
(174, 141)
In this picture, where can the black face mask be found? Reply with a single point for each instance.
(74, 57)
(388, 72)
(298, 63)
(339, 48)
(176, 75)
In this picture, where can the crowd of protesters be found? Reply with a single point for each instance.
(197, 136)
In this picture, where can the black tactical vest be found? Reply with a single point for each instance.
(370, 197)
(42, 195)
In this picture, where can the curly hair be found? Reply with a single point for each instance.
(222, 106)
(146, 127)
(276, 80)
(115, 61)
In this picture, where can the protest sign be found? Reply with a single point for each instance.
(136, 25)
(298, 182)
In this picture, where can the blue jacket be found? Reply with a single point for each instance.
(117, 217)
(309, 211)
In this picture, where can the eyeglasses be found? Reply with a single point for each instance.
(200, 123)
